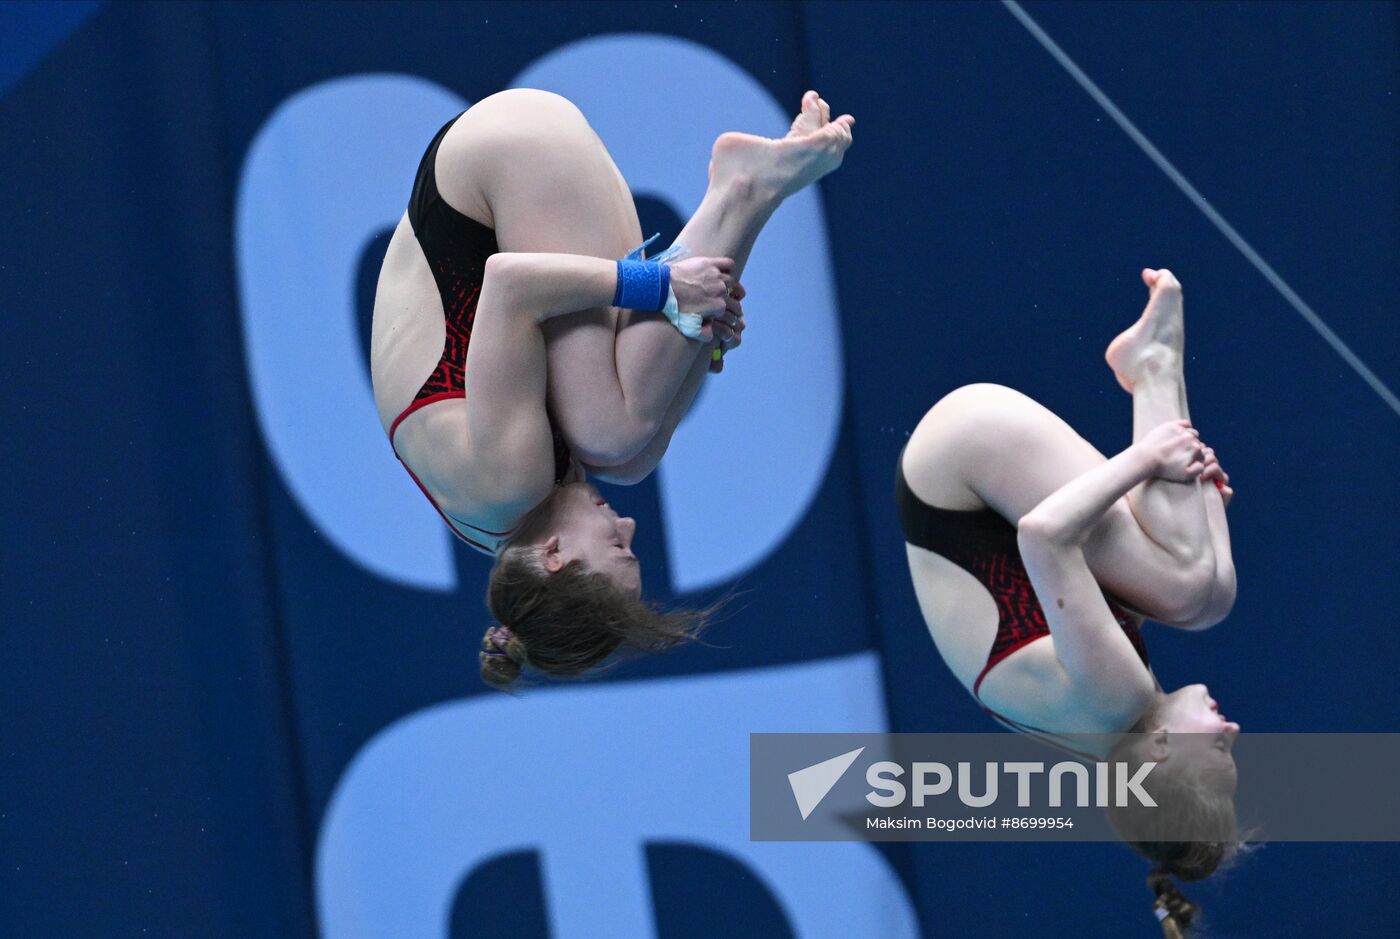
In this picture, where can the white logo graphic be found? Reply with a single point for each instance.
(810, 785)
(588, 777)
(330, 170)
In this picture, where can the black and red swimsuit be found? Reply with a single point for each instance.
(983, 543)
(456, 247)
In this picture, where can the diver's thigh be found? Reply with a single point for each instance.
(535, 166)
(987, 444)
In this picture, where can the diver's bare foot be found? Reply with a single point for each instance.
(775, 169)
(1156, 341)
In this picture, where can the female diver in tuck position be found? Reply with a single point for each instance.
(1036, 560)
(511, 355)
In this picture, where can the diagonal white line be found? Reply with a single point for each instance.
(1226, 229)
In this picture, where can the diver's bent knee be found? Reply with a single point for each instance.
(628, 474)
(1189, 592)
(614, 447)
(1218, 606)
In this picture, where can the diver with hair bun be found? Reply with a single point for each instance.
(1036, 560)
(522, 341)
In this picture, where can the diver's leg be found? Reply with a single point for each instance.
(528, 164)
(639, 467)
(1186, 519)
(750, 176)
(546, 183)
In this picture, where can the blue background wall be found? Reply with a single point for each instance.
(197, 682)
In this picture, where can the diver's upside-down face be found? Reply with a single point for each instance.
(1191, 710)
(588, 530)
(1199, 734)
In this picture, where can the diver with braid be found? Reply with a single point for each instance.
(1036, 560)
(547, 360)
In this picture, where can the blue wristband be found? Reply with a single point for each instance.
(642, 285)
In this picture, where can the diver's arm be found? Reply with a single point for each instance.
(1068, 514)
(1171, 451)
(1088, 641)
(540, 286)
(546, 285)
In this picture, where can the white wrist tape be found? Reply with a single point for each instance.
(689, 324)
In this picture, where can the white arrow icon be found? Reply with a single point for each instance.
(810, 785)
